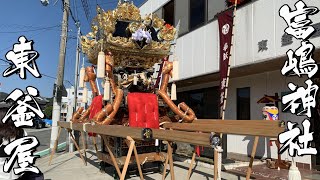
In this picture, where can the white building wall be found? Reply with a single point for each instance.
(198, 54)
(151, 6)
(265, 83)
(67, 101)
(198, 51)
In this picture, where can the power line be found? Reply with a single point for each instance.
(20, 26)
(6, 61)
(48, 76)
(86, 9)
(38, 29)
(29, 37)
(74, 19)
(75, 9)
(110, 2)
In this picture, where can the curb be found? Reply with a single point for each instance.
(47, 151)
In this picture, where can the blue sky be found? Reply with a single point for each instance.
(42, 25)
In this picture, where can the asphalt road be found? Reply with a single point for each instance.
(44, 135)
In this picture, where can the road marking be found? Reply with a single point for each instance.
(47, 151)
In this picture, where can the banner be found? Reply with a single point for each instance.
(225, 21)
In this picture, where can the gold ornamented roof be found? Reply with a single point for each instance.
(117, 31)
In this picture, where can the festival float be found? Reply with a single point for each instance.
(135, 109)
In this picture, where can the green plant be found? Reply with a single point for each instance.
(48, 112)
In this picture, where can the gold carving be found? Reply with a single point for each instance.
(157, 22)
(125, 50)
(167, 32)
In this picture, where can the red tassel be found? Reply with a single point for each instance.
(198, 150)
(92, 134)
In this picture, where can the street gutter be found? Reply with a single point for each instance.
(47, 151)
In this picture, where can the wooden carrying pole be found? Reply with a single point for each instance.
(183, 132)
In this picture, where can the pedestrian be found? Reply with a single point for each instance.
(8, 133)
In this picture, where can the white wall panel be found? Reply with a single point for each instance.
(198, 51)
(146, 8)
(186, 70)
(179, 54)
(263, 28)
(151, 6)
(160, 3)
(243, 36)
(212, 47)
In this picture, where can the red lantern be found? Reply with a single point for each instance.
(234, 1)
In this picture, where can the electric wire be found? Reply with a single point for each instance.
(45, 75)
(86, 9)
(75, 9)
(32, 36)
(110, 2)
(74, 19)
(31, 30)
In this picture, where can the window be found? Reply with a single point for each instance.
(168, 12)
(204, 102)
(197, 13)
(243, 103)
(214, 7)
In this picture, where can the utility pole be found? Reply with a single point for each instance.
(76, 73)
(76, 81)
(60, 74)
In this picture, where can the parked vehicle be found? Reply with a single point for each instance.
(38, 123)
(48, 122)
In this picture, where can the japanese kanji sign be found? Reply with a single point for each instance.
(300, 62)
(225, 21)
(22, 112)
(23, 57)
(24, 108)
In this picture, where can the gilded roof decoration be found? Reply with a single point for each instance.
(112, 31)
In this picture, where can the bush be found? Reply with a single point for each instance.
(48, 112)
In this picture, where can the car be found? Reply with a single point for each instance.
(48, 122)
(38, 123)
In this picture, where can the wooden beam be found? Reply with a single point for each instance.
(191, 165)
(126, 163)
(170, 151)
(215, 163)
(55, 146)
(253, 154)
(75, 143)
(78, 126)
(84, 146)
(64, 124)
(237, 127)
(124, 131)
